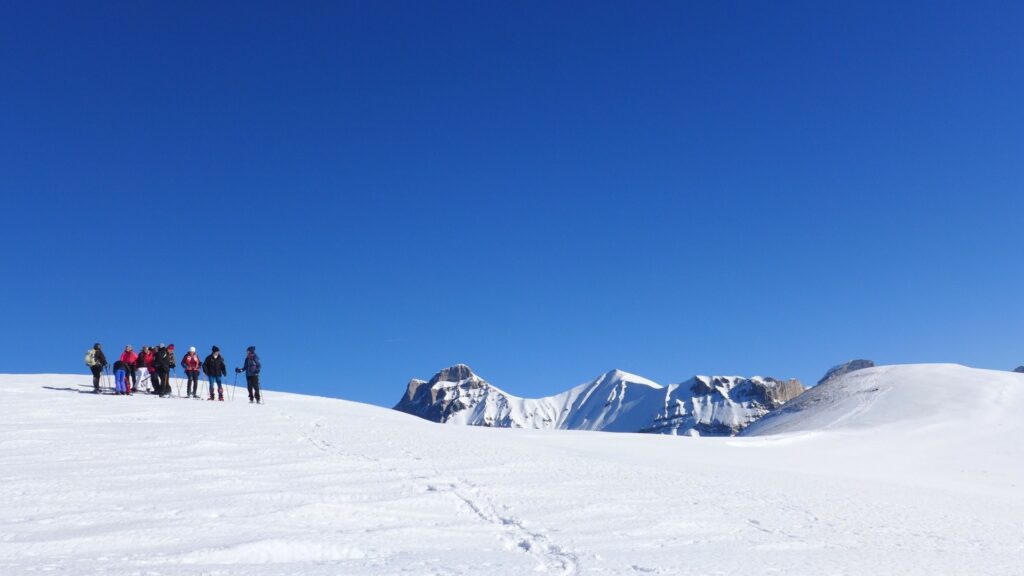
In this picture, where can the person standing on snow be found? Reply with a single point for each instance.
(96, 361)
(120, 381)
(140, 365)
(191, 365)
(215, 369)
(252, 374)
(130, 360)
(162, 363)
(146, 361)
(174, 364)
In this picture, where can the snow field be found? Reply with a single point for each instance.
(111, 485)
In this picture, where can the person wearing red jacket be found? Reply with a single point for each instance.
(146, 361)
(130, 359)
(191, 364)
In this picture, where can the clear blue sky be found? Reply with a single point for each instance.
(371, 191)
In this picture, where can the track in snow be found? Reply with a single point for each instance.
(515, 532)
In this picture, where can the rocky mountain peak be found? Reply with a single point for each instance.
(454, 373)
(452, 390)
(411, 388)
(846, 368)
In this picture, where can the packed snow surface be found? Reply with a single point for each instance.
(893, 470)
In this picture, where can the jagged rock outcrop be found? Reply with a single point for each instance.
(845, 368)
(615, 402)
(449, 392)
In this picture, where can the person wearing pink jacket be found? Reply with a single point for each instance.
(131, 360)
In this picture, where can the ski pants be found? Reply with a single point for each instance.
(120, 383)
(193, 381)
(253, 384)
(97, 370)
(132, 375)
(163, 384)
(220, 388)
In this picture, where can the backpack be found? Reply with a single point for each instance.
(90, 358)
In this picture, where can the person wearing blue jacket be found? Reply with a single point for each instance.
(251, 367)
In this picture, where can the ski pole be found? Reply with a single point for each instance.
(234, 387)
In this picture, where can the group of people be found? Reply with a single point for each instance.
(158, 361)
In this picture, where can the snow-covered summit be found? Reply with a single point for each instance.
(616, 401)
(901, 396)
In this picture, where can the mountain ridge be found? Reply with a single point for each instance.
(616, 401)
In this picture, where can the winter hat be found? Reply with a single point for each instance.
(215, 349)
(171, 347)
(251, 348)
(96, 346)
(161, 345)
(191, 348)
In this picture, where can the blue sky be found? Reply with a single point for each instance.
(371, 191)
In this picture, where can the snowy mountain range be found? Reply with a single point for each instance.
(616, 401)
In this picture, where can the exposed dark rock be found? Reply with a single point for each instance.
(851, 366)
(450, 391)
(768, 392)
(1019, 369)
(700, 387)
(455, 373)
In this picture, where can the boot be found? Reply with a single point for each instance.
(220, 394)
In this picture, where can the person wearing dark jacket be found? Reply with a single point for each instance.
(99, 362)
(120, 378)
(252, 374)
(146, 362)
(162, 364)
(215, 369)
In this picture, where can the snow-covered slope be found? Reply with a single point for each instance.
(883, 397)
(615, 402)
(115, 486)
